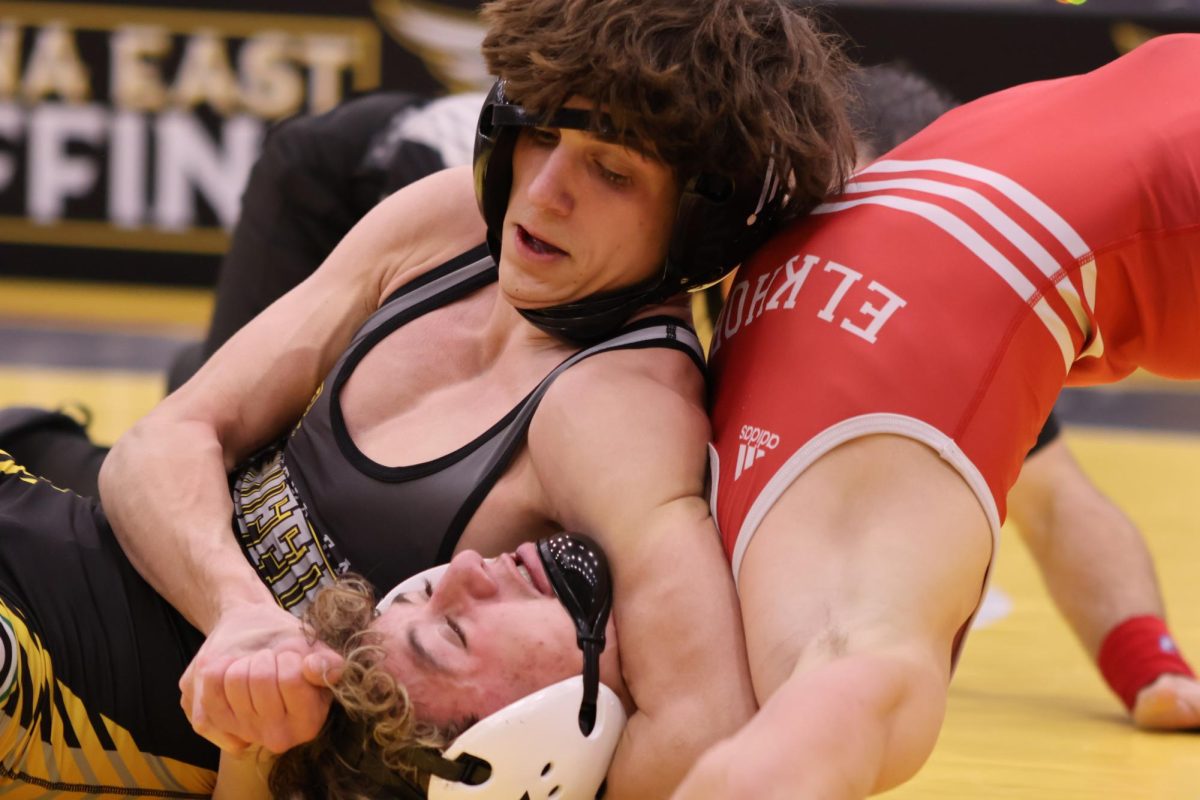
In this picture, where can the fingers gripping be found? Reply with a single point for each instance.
(257, 681)
(204, 702)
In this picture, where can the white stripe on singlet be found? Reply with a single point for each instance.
(1028, 202)
(989, 255)
(1002, 223)
(1038, 255)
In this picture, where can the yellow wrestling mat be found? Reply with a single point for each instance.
(1028, 715)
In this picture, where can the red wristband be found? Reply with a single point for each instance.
(1135, 653)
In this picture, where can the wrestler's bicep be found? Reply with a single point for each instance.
(629, 469)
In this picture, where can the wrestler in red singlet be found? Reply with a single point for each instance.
(1044, 235)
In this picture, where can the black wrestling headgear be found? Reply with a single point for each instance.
(719, 221)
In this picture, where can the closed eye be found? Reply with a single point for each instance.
(457, 631)
(615, 178)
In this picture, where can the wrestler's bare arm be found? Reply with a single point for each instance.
(164, 484)
(620, 447)
(852, 592)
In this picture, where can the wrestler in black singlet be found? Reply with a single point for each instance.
(91, 656)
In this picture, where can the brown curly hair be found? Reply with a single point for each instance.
(713, 85)
(372, 718)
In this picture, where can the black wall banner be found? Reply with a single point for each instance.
(127, 129)
(974, 47)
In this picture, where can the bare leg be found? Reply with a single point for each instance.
(1097, 568)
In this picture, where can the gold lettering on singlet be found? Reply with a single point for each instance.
(278, 515)
(254, 505)
(276, 534)
(270, 476)
(304, 584)
(276, 564)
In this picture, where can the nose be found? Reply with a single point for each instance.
(464, 581)
(550, 185)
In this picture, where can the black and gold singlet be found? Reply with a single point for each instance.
(317, 506)
(90, 659)
(91, 655)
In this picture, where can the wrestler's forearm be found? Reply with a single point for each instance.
(164, 490)
(851, 727)
(650, 763)
(683, 651)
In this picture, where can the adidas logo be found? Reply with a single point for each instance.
(753, 444)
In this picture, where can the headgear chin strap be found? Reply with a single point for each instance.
(561, 736)
(719, 221)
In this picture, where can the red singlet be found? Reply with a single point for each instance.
(1052, 228)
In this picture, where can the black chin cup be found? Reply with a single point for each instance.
(594, 318)
(578, 571)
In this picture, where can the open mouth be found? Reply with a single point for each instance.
(539, 246)
(529, 567)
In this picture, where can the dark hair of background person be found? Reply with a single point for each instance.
(893, 103)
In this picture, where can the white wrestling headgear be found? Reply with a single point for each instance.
(537, 747)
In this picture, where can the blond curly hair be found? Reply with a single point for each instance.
(372, 718)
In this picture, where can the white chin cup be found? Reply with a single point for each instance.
(533, 745)
(536, 750)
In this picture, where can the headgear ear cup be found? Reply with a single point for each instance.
(492, 166)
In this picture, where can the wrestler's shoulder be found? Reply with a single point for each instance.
(661, 370)
(642, 394)
(426, 224)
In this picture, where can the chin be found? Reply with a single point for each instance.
(521, 290)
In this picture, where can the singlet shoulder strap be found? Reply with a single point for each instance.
(664, 331)
(653, 332)
(462, 261)
(658, 331)
(439, 286)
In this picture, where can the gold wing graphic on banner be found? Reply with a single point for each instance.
(1127, 35)
(446, 39)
